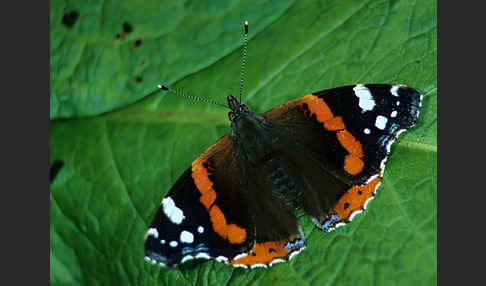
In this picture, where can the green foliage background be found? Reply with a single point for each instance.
(119, 159)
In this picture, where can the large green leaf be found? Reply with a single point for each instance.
(116, 167)
(107, 54)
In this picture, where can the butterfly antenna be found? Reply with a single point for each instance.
(192, 97)
(243, 59)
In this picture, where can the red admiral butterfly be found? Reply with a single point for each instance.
(323, 153)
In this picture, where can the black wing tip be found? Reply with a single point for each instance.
(413, 100)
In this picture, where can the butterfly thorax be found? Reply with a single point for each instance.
(257, 142)
(251, 133)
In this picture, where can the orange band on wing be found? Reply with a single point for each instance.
(218, 221)
(353, 163)
(204, 185)
(236, 234)
(232, 232)
(318, 107)
(350, 143)
(335, 124)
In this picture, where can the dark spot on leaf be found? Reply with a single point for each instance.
(138, 42)
(54, 170)
(271, 250)
(127, 28)
(69, 19)
(360, 192)
(138, 79)
(118, 36)
(165, 114)
(346, 205)
(417, 62)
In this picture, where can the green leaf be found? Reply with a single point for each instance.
(116, 167)
(113, 52)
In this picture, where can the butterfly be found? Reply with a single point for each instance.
(323, 153)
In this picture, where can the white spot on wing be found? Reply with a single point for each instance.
(296, 252)
(394, 113)
(368, 201)
(380, 122)
(200, 229)
(162, 241)
(241, 255)
(370, 179)
(366, 101)
(354, 214)
(388, 145)
(366, 131)
(394, 90)
(278, 260)
(186, 258)
(203, 255)
(153, 232)
(173, 243)
(339, 225)
(186, 237)
(175, 214)
(221, 259)
(258, 265)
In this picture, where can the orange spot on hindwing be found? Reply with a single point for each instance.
(263, 253)
(231, 232)
(355, 198)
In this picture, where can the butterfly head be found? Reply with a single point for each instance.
(237, 109)
(250, 132)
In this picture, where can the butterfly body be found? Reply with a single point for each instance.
(323, 153)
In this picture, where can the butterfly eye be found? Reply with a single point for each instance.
(231, 116)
